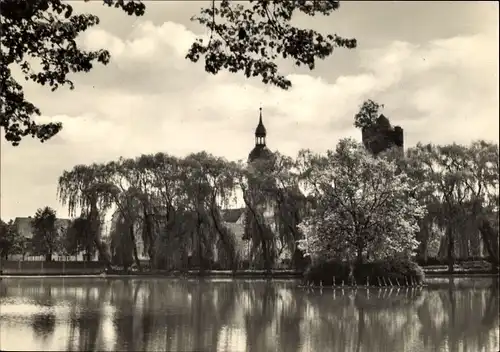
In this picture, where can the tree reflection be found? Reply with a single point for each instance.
(181, 314)
(44, 324)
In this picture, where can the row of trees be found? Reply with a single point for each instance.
(435, 199)
(175, 205)
(352, 203)
(438, 200)
(50, 237)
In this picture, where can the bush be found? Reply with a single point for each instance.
(394, 269)
(324, 271)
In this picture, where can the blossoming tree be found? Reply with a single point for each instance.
(363, 211)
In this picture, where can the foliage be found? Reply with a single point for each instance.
(46, 236)
(363, 209)
(396, 270)
(459, 186)
(78, 238)
(325, 271)
(121, 246)
(11, 242)
(39, 37)
(86, 189)
(375, 273)
(367, 115)
(174, 205)
(344, 204)
(251, 38)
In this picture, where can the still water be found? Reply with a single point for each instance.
(98, 314)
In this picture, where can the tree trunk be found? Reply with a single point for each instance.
(94, 225)
(359, 247)
(261, 230)
(490, 240)
(134, 247)
(350, 277)
(443, 247)
(230, 250)
(451, 249)
(423, 237)
(48, 257)
(148, 225)
(359, 256)
(103, 255)
(267, 261)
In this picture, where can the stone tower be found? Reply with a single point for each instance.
(382, 136)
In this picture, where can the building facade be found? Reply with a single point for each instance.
(25, 229)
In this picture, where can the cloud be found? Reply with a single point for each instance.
(150, 98)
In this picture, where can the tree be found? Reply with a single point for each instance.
(363, 207)
(121, 243)
(86, 188)
(368, 114)
(461, 184)
(46, 235)
(243, 39)
(210, 185)
(256, 186)
(11, 242)
(125, 199)
(78, 238)
(250, 39)
(272, 185)
(44, 32)
(483, 185)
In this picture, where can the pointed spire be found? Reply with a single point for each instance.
(260, 131)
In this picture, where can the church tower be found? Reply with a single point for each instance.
(260, 150)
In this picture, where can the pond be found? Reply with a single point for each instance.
(99, 314)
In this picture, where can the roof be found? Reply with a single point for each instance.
(232, 215)
(260, 131)
(23, 224)
(29, 219)
(259, 151)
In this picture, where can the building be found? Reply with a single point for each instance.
(260, 150)
(25, 229)
(381, 136)
(24, 226)
(235, 219)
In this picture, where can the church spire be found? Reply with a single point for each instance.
(260, 150)
(260, 131)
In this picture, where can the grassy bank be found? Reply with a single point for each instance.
(60, 268)
(278, 274)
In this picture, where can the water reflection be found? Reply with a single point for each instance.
(239, 315)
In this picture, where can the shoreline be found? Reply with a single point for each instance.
(257, 274)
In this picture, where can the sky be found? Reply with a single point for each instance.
(434, 66)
